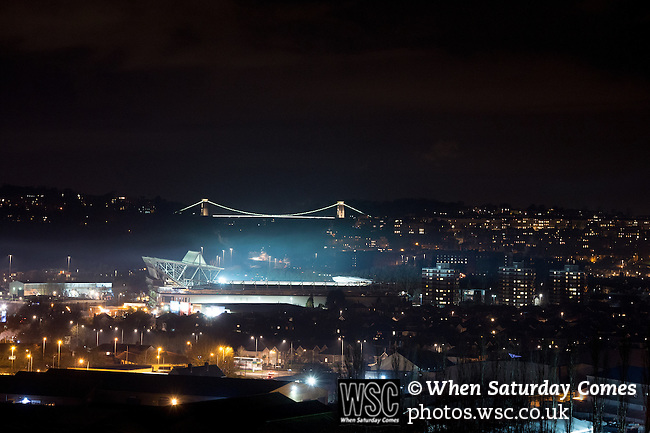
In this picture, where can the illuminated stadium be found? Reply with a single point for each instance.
(191, 285)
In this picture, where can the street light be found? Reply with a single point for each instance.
(255, 338)
(122, 340)
(29, 362)
(159, 350)
(59, 361)
(141, 332)
(12, 356)
(44, 340)
(361, 344)
(115, 347)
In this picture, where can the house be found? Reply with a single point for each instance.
(403, 363)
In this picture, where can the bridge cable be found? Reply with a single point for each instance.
(356, 210)
(186, 208)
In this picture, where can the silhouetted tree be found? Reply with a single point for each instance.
(596, 351)
(335, 299)
(623, 402)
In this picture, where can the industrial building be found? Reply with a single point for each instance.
(103, 291)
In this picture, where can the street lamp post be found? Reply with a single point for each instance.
(256, 356)
(13, 348)
(159, 350)
(115, 347)
(361, 344)
(44, 340)
(255, 338)
(116, 329)
(59, 359)
(136, 335)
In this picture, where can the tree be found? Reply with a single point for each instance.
(354, 362)
(646, 381)
(335, 299)
(623, 403)
(596, 350)
(571, 348)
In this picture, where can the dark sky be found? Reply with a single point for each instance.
(300, 103)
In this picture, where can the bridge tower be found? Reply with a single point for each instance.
(340, 209)
(204, 207)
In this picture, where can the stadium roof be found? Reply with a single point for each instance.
(189, 272)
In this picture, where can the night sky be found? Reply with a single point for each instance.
(273, 106)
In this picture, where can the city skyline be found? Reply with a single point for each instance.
(263, 213)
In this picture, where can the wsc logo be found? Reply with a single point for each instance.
(369, 401)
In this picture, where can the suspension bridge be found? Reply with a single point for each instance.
(204, 204)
